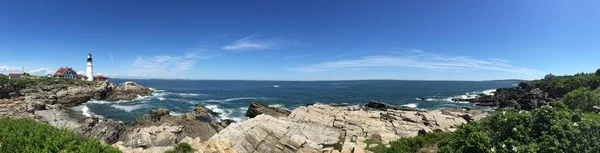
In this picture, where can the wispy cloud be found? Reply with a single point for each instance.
(418, 59)
(297, 56)
(33, 71)
(108, 75)
(166, 64)
(112, 58)
(256, 43)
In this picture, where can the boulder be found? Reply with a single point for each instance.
(9, 91)
(202, 113)
(128, 91)
(384, 106)
(164, 134)
(256, 109)
(106, 131)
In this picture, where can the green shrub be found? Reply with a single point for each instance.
(545, 129)
(25, 135)
(181, 148)
(582, 99)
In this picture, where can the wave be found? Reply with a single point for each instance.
(226, 113)
(468, 95)
(85, 111)
(411, 105)
(232, 99)
(93, 101)
(128, 108)
(189, 94)
(278, 106)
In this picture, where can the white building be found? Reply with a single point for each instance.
(89, 71)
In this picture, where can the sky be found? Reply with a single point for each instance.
(302, 40)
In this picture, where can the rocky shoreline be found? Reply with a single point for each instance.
(310, 128)
(525, 96)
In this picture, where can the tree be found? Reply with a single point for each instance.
(549, 76)
(597, 72)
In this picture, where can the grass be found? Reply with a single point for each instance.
(25, 135)
(181, 148)
(31, 81)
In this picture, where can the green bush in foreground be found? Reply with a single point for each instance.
(545, 129)
(582, 99)
(181, 148)
(26, 135)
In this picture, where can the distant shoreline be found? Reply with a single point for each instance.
(516, 80)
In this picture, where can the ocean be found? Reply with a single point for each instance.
(231, 98)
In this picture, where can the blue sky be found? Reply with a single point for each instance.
(303, 40)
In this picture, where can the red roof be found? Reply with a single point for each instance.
(81, 76)
(61, 71)
(14, 75)
(100, 77)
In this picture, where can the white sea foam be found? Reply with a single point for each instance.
(93, 101)
(277, 106)
(128, 108)
(175, 113)
(189, 94)
(411, 105)
(85, 110)
(468, 95)
(232, 99)
(276, 86)
(225, 113)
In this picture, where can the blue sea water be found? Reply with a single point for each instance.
(231, 98)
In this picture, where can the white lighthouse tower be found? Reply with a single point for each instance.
(89, 72)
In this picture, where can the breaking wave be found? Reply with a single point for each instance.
(128, 108)
(232, 99)
(227, 113)
(411, 105)
(467, 95)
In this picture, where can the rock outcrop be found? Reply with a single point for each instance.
(16, 108)
(9, 91)
(66, 94)
(317, 127)
(161, 129)
(267, 134)
(202, 113)
(128, 91)
(388, 124)
(256, 109)
(106, 131)
(72, 93)
(525, 96)
(384, 106)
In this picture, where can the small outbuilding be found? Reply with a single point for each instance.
(14, 76)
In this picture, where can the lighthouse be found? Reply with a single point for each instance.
(89, 70)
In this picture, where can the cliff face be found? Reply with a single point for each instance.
(317, 128)
(79, 92)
